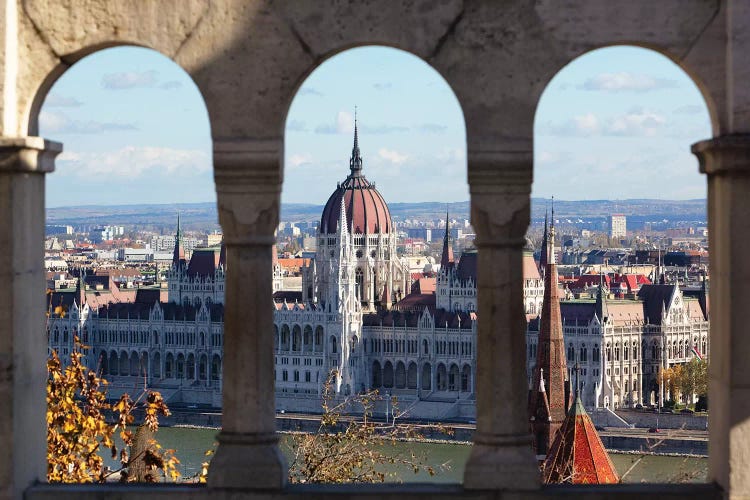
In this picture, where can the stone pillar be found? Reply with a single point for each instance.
(726, 162)
(502, 456)
(23, 345)
(248, 184)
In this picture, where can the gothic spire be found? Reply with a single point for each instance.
(355, 162)
(178, 256)
(447, 260)
(543, 254)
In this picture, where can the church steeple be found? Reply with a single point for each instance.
(543, 254)
(178, 256)
(355, 162)
(447, 260)
(550, 372)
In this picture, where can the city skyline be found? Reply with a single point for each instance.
(131, 117)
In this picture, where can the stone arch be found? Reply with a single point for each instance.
(135, 364)
(466, 378)
(180, 366)
(124, 365)
(113, 363)
(400, 375)
(169, 368)
(453, 378)
(285, 337)
(307, 338)
(332, 344)
(388, 375)
(427, 377)
(377, 375)
(296, 338)
(442, 378)
(425, 347)
(215, 368)
(190, 367)
(411, 376)
(203, 367)
(156, 365)
(319, 338)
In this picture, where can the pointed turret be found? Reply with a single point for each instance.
(178, 256)
(577, 455)
(355, 162)
(447, 261)
(551, 369)
(543, 254)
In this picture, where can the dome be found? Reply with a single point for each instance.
(366, 210)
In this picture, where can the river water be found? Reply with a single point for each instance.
(191, 444)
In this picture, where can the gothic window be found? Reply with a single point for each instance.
(609, 353)
(584, 353)
(285, 375)
(617, 351)
(625, 351)
(333, 344)
(296, 375)
(296, 338)
(595, 353)
(571, 353)
(425, 347)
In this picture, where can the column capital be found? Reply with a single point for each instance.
(248, 174)
(31, 155)
(724, 155)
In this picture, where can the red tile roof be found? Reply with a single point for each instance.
(577, 455)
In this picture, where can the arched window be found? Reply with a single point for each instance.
(595, 354)
(425, 347)
(571, 353)
(332, 342)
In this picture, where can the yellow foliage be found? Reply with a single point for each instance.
(77, 426)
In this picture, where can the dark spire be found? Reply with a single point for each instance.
(178, 257)
(447, 260)
(355, 162)
(543, 255)
(81, 287)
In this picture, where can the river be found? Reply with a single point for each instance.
(191, 444)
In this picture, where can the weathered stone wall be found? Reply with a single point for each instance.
(248, 58)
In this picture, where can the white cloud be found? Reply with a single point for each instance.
(132, 162)
(129, 80)
(586, 124)
(344, 124)
(55, 100)
(299, 159)
(624, 81)
(392, 156)
(51, 122)
(637, 122)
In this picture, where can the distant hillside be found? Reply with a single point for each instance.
(203, 216)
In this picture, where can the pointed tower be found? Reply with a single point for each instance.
(447, 261)
(543, 254)
(355, 162)
(577, 455)
(178, 256)
(81, 288)
(551, 368)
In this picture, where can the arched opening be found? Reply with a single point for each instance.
(388, 375)
(135, 364)
(377, 375)
(113, 363)
(285, 334)
(319, 339)
(400, 375)
(203, 368)
(442, 378)
(307, 341)
(156, 365)
(215, 368)
(453, 378)
(466, 379)
(296, 338)
(180, 366)
(169, 365)
(427, 377)
(190, 366)
(411, 376)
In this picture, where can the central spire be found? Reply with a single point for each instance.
(355, 162)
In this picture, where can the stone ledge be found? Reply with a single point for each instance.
(386, 491)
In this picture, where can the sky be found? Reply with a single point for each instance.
(616, 123)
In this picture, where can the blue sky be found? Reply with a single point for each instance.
(616, 123)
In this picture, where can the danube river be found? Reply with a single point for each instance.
(191, 445)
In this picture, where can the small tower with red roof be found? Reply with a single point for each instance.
(577, 455)
(548, 398)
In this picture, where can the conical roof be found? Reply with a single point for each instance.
(578, 455)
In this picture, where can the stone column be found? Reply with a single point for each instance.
(726, 162)
(502, 457)
(248, 184)
(23, 345)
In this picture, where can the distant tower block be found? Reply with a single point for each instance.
(617, 226)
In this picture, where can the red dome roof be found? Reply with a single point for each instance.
(366, 210)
